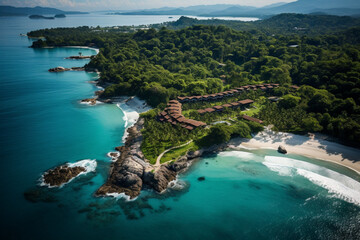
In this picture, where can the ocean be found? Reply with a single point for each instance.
(246, 194)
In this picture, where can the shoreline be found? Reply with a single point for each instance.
(312, 147)
(97, 50)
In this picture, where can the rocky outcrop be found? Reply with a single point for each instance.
(127, 172)
(79, 57)
(62, 69)
(131, 172)
(282, 150)
(91, 101)
(160, 179)
(61, 175)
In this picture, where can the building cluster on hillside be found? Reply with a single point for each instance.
(173, 114)
(242, 104)
(229, 93)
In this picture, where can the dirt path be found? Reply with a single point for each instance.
(158, 164)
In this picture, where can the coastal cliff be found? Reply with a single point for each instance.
(131, 172)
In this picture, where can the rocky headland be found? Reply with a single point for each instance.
(131, 172)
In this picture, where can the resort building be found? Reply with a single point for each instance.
(229, 93)
(243, 104)
(252, 119)
(173, 114)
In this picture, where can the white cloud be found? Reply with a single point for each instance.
(89, 5)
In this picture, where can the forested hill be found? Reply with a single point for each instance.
(162, 64)
(287, 23)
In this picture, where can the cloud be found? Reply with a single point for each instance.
(89, 5)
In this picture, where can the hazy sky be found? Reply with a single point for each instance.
(90, 5)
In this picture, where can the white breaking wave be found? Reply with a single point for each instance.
(238, 154)
(121, 195)
(132, 109)
(339, 185)
(177, 184)
(89, 103)
(88, 164)
(115, 157)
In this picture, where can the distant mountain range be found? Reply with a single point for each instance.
(25, 11)
(332, 7)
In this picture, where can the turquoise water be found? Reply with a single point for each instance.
(245, 195)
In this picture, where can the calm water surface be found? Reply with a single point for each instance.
(246, 194)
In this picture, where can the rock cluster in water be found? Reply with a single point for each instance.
(62, 69)
(91, 101)
(79, 57)
(61, 175)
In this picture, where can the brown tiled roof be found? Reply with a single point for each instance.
(269, 87)
(263, 88)
(195, 123)
(226, 105)
(218, 107)
(176, 116)
(246, 101)
(235, 104)
(209, 110)
(173, 108)
(294, 87)
(246, 117)
(201, 111)
(173, 101)
(181, 119)
(189, 127)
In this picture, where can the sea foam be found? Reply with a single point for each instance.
(238, 154)
(132, 109)
(339, 185)
(121, 196)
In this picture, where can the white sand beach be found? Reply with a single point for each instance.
(309, 146)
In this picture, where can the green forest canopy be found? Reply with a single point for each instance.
(161, 64)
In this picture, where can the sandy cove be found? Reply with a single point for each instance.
(309, 146)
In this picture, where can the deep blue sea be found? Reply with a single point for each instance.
(247, 194)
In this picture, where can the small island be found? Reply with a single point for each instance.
(60, 16)
(36, 16)
(61, 175)
(40, 17)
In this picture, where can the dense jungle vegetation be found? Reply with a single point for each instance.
(319, 53)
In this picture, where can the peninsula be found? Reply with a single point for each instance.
(210, 84)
